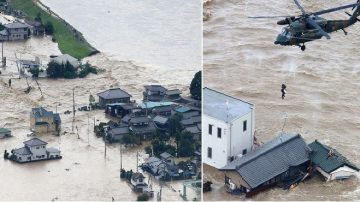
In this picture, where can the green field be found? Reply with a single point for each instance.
(68, 44)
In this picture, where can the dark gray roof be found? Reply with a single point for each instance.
(41, 112)
(191, 121)
(119, 131)
(16, 25)
(4, 130)
(22, 151)
(136, 176)
(328, 163)
(139, 119)
(224, 107)
(193, 129)
(150, 128)
(34, 142)
(114, 93)
(173, 92)
(166, 155)
(160, 119)
(271, 159)
(163, 109)
(155, 88)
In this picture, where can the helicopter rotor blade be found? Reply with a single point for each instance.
(315, 25)
(358, 1)
(335, 9)
(300, 7)
(276, 16)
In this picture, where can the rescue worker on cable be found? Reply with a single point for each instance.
(283, 91)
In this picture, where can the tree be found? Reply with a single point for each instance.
(143, 197)
(148, 150)
(49, 28)
(38, 18)
(35, 72)
(195, 86)
(54, 70)
(175, 124)
(185, 144)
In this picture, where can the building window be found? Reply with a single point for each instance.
(244, 152)
(219, 133)
(209, 152)
(244, 126)
(210, 129)
(37, 147)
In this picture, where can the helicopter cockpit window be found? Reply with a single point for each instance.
(285, 32)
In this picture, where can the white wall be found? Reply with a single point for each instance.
(232, 137)
(342, 172)
(38, 152)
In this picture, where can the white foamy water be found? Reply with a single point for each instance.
(323, 82)
(164, 33)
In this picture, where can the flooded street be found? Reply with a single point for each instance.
(323, 82)
(84, 173)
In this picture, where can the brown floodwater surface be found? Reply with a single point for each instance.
(323, 99)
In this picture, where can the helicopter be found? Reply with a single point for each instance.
(309, 26)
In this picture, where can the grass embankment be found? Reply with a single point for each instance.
(68, 44)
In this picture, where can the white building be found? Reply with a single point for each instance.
(34, 150)
(228, 128)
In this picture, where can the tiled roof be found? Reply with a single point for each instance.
(271, 159)
(114, 93)
(320, 157)
(34, 142)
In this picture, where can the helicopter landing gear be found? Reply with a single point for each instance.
(303, 47)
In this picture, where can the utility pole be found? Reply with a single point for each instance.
(120, 158)
(88, 131)
(137, 161)
(73, 110)
(105, 149)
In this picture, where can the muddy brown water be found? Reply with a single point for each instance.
(323, 86)
(83, 173)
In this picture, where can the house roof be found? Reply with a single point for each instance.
(34, 142)
(139, 119)
(271, 159)
(41, 123)
(126, 106)
(224, 107)
(136, 176)
(22, 151)
(173, 92)
(4, 130)
(114, 93)
(155, 88)
(320, 156)
(41, 112)
(15, 25)
(165, 108)
(119, 131)
(192, 120)
(150, 128)
(182, 109)
(62, 59)
(193, 129)
(160, 119)
(150, 104)
(166, 155)
(52, 150)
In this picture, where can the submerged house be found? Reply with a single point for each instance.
(37, 28)
(114, 95)
(154, 93)
(330, 163)
(43, 121)
(173, 95)
(142, 125)
(228, 128)
(5, 132)
(15, 31)
(63, 59)
(117, 133)
(138, 183)
(161, 169)
(282, 161)
(34, 150)
(121, 109)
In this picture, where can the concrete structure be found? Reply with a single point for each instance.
(43, 121)
(63, 59)
(138, 183)
(330, 163)
(114, 95)
(34, 150)
(4, 132)
(228, 128)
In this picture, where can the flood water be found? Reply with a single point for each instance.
(323, 82)
(133, 58)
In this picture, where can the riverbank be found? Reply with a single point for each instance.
(69, 40)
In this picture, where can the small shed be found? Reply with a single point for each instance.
(330, 163)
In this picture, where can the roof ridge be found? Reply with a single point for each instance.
(267, 151)
(228, 95)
